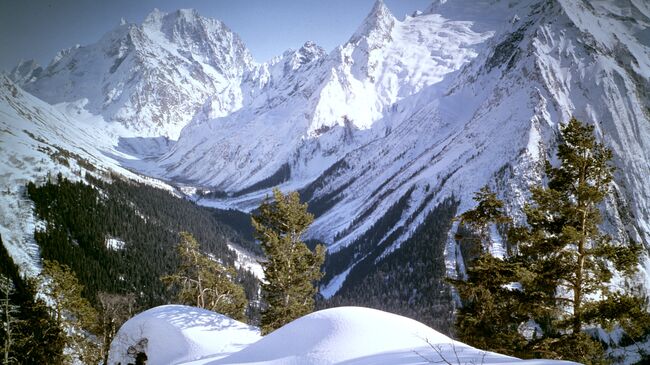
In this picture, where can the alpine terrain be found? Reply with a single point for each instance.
(386, 137)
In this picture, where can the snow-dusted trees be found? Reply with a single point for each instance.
(291, 268)
(202, 281)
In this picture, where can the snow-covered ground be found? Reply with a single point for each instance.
(346, 335)
(174, 334)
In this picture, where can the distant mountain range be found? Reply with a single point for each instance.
(406, 115)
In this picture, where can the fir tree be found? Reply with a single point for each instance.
(37, 339)
(291, 268)
(205, 283)
(490, 314)
(566, 261)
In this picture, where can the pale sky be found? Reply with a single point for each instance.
(38, 29)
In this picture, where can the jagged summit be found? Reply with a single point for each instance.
(377, 25)
(150, 78)
(25, 71)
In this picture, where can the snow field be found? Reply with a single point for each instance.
(345, 335)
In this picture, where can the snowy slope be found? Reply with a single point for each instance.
(316, 107)
(150, 78)
(38, 141)
(346, 335)
(433, 106)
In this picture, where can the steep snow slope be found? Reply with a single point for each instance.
(494, 120)
(315, 107)
(38, 141)
(151, 78)
(347, 335)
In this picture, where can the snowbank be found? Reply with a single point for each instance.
(173, 334)
(360, 336)
(346, 336)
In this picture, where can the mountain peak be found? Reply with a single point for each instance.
(25, 71)
(155, 16)
(379, 22)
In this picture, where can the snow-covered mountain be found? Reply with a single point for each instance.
(434, 106)
(37, 142)
(151, 78)
(382, 129)
(314, 107)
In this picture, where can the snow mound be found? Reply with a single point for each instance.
(173, 334)
(354, 335)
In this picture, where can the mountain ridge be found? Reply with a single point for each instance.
(407, 113)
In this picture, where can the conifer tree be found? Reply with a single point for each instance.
(490, 313)
(205, 283)
(291, 268)
(71, 311)
(566, 261)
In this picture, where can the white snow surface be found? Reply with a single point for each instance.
(175, 334)
(345, 335)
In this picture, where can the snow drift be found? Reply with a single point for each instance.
(171, 334)
(344, 335)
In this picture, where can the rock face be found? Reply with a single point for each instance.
(153, 77)
(405, 115)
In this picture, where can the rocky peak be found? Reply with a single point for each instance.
(208, 40)
(377, 25)
(25, 71)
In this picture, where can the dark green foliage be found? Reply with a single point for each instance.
(491, 310)
(410, 280)
(38, 339)
(563, 247)
(290, 269)
(81, 217)
(562, 261)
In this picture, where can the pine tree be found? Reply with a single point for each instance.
(205, 283)
(566, 261)
(71, 311)
(490, 314)
(291, 268)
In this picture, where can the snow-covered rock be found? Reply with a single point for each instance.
(306, 114)
(150, 78)
(173, 334)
